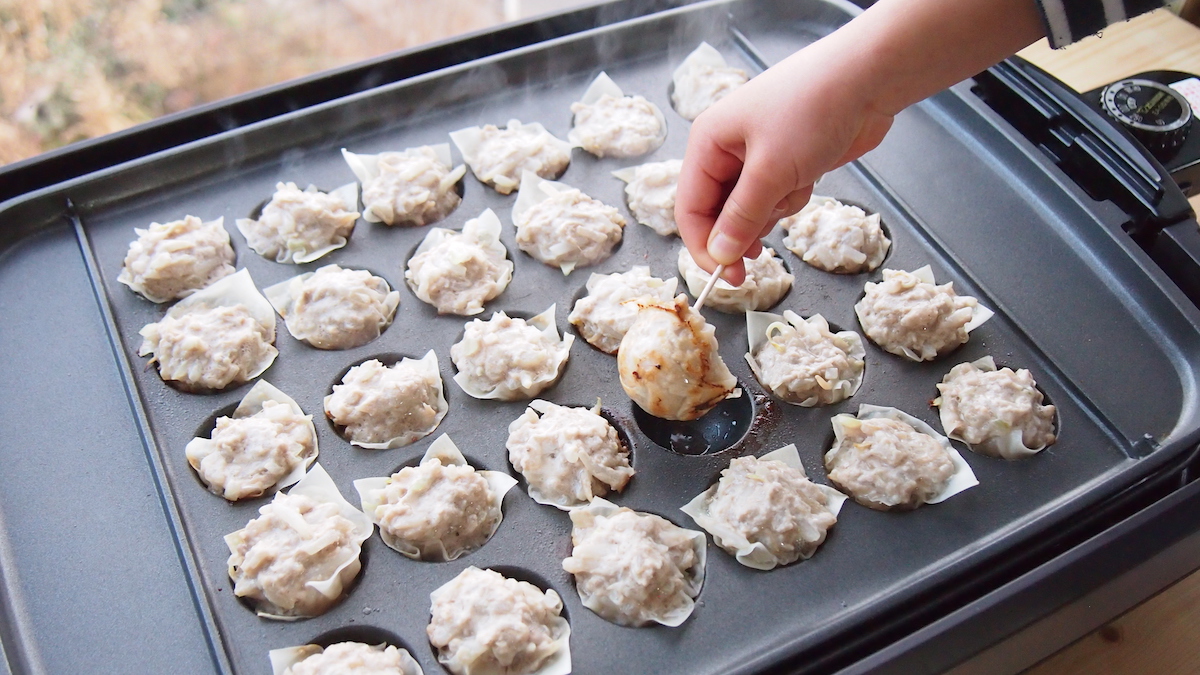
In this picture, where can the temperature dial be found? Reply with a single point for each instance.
(1154, 113)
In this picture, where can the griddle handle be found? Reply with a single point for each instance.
(1102, 159)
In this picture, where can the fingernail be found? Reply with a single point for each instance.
(725, 249)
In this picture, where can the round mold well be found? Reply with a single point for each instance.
(510, 572)
(618, 423)
(388, 359)
(718, 430)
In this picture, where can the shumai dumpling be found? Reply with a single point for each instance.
(382, 407)
(909, 316)
(299, 226)
(650, 193)
(567, 455)
(172, 260)
(343, 658)
(669, 364)
(439, 509)
(218, 336)
(562, 227)
(634, 568)
(610, 124)
(297, 557)
(508, 359)
(888, 460)
(268, 443)
(457, 272)
(335, 308)
(703, 79)
(414, 187)
(498, 157)
(998, 413)
(483, 623)
(765, 510)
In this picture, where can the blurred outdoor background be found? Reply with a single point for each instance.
(74, 69)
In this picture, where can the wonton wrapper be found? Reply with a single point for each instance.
(282, 659)
(429, 364)
(348, 194)
(468, 141)
(544, 322)
(252, 403)
(318, 486)
(603, 84)
(1008, 447)
(366, 169)
(282, 297)
(754, 555)
(448, 453)
(757, 324)
(236, 289)
(604, 508)
(962, 478)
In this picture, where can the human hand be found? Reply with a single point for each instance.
(753, 157)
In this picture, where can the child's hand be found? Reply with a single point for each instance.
(753, 157)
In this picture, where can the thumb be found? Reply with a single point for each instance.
(750, 209)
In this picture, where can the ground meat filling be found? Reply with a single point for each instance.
(836, 237)
(295, 543)
(338, 308)
(699, 87)
(457, 272)
(650, 194)
(567, 455)
(770, 503)
(247, 456)
(617, 126)
(441, 511)
(767, 281)
(172, 260)
(806, 364)
(413, 188)
(504, 154)
(508, 358)
(208, 348)
(634, 568)
(377, 404)
(669, 362)
(569, 229)
(483, 623)
(299, 225)
(606, 312)
(356, 658)
(996, 412)
(885, 463)
(913, 318)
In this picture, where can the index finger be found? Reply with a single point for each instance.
(708, 175)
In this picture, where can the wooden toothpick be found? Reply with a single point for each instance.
(708, 287)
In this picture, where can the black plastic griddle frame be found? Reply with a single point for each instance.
(1146, 531)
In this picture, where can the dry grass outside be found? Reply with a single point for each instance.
(75, 69)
